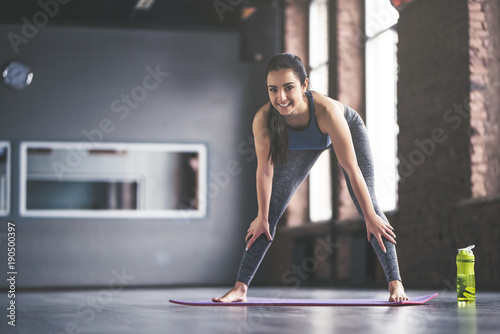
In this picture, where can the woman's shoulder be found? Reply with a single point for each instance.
(259, 126)
(260, 118)
(263, 112)
(327, 108)
(329, 112)
(324, 104)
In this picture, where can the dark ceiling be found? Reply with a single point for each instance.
(184, 14)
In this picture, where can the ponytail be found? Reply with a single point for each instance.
(276, 127)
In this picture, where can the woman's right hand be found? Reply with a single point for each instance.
(257, 227)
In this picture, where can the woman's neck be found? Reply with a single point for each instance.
(300, 116)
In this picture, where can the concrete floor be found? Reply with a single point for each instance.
(148, 311)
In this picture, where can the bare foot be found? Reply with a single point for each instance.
(236, 294)
(397, 292)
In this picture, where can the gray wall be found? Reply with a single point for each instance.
(208, 97)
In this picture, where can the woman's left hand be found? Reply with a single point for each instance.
(379, 228)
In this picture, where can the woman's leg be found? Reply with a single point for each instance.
(286, 181)
(389, 260)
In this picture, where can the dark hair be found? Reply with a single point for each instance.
(276, 124)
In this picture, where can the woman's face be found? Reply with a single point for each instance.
(285, 91)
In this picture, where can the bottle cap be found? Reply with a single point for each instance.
(467, 249)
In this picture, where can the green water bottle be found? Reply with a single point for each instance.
(466, 280)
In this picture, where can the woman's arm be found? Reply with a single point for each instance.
(331, 120)
(264, 178)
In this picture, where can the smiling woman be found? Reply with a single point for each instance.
(282, 102)
(291, 131)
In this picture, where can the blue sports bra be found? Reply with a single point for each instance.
(310, 138)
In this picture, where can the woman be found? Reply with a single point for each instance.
(290, 132)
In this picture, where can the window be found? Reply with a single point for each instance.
(320, 192)
(69, 179)
(381, 104)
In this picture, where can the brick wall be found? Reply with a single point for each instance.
(350, 83)
(296, 41)
(485, 88)
(355, 261)
(447, 118)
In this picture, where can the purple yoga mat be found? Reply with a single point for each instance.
(309, 302)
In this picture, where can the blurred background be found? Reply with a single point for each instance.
(126, 142)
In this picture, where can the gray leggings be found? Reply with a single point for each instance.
(288, 178)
